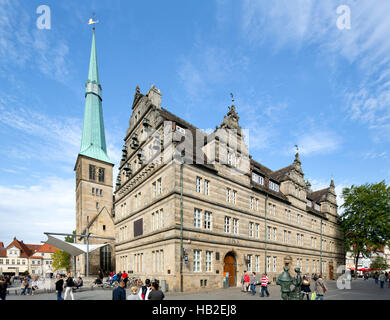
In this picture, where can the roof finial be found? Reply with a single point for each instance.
(231, 94)
(331, 181)
(92, 21)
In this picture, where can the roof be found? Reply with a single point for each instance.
(25, 251)
(280, 174)
(36, 257)
(1, 245)
(33, 247)
(47, 248)
(318, 195)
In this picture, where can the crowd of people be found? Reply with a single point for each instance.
(249, 283)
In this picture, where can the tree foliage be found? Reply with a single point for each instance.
(61, 260)
(366, 218)
(379, 263)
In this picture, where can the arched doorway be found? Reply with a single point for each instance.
(105, 258)
(230, 266)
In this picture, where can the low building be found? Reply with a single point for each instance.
(19, 257)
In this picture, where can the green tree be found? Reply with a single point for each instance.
(379, 263)
(61, 260)
(366, 218)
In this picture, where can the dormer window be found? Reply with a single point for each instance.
(308, 203)
(317, 207)
(180, 129)
(257, 178)
(274, 186)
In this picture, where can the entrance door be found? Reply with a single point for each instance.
(230, 266)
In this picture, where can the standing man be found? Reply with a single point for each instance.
(253, 283)
(119, 293)
(156, 294)
(3, 288)
(145, 290)
(59, 287)
(320, 288)
(125, 278)
(264, 285)
(382, 279)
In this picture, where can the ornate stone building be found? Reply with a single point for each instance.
(94, 194)
(183, 192)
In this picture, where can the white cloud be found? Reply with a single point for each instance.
(318, 142)
(366, 46)
(28, 211)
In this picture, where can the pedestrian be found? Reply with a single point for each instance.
(34, 285)
(264, 285)
(305, 286)
(156, 294)
(101, 275)
(69, 286)
(134, 294)
(119, 276)
(125, 278)
(29, 285)
(382, 279)
(320, 288)
(243, 281)
(376, 277)
(253, 283)
(119, 293)
(247, 281)
(113, 279)
(145, 290)
(24, 286)
(3, 288)
(59, 287)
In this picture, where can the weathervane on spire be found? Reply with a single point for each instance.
(92, 20)
(297, 148)
(231, 94)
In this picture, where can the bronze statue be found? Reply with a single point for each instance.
(285, 281)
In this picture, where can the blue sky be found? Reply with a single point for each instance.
(296, 78)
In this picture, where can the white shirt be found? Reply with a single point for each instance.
(148, 289)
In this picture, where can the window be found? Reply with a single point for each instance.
(227, 195)
(274, 265)
(104, 228)
(197, 261)
(138, 227)
(197, 218)
(301, 240)
(207, 220)
(209, 257)
(252, 199)
(159, 186)
(284, 236)
(229, 159)
(227, 224)
(154, 187)
(251, 229)
(161, 218)
(180, 129)
(249, 261)
(257, 178)
(268, 233)
(257, 230)
(101, 174)
(234, 196)
(274, 186)
(93, 191)
(206, 187)
(274, 237)
(235, 226)
(101, 192)
(257, 204)
(257, 264)
(268, 264)
(198, 184)
(92, 172)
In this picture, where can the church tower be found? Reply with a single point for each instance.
(94, 194)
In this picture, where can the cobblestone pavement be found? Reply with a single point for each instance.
(360, 290)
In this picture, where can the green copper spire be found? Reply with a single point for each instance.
(93, 141)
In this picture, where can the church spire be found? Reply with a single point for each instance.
(93, 141)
